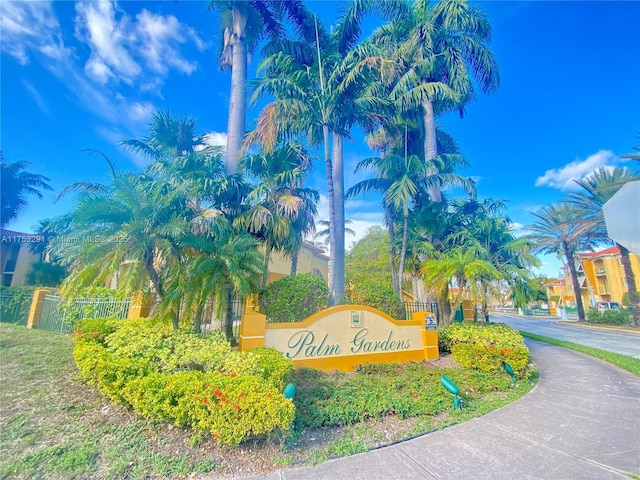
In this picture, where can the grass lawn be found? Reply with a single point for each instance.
(52, 426)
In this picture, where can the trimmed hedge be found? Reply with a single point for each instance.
(188, 379)
(613, 316)
(485, 346)
(294, 298)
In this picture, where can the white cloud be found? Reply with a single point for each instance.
(157, 36)
(121, 50)
(37, 97)
(140, 112)
(110, 41)
(29, 27)
(563, 178)
(215, 139)
(518, 229)
(138, 51)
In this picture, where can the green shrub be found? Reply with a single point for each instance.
(614, 316)
(376, 296)
(231, 408)
(485, 346)
(273, 366)
(185, 378)
(294, 298)
(94, 330)
(108, 372)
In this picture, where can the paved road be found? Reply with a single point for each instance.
(624, 343)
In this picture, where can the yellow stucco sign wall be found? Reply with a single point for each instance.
(343, 337)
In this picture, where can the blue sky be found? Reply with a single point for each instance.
(86, 75)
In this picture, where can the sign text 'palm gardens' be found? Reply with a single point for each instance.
(305, 344)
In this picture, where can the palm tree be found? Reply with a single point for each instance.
(226, 264)
(17, 183)
(509, 255)
(598, 188)
(324, 233)
(463, 264)
(281, 210)
(561, 229)
(131, 231)
(430, 57)
(402, 179)
(243, 23)
(316, 96)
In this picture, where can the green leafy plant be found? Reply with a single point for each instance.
(185, 378)
(377, 296)
(231, 408)
(613, 316)
(485, 346)
(294, 298)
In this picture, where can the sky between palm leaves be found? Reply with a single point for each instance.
(88, 74)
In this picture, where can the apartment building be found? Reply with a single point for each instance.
(600, 276)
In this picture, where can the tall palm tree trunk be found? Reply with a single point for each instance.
(328, 164)
(238, 96)
(337, 249)
(631, 284)
(574, 281)
(228, 320)
(430, 144)
(392, 252)
(265, 268)
(403, 250)
(197, 319)
(294, 264)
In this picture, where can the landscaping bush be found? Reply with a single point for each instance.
(485, 346)
(377, 296)
(294, 298)
(614, 316)
(231, 408)
(186, 378)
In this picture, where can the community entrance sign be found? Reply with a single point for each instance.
(343, 337)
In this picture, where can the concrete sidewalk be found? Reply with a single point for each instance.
(582, 421)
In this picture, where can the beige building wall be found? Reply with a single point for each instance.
(311, 259)
(16, 257)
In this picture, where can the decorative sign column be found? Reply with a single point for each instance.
(343, 337)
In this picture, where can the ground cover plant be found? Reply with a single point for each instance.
(52, 425)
